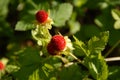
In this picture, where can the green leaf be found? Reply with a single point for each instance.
(29, 60)
(29, 56)
(113, 2)
(79, 3)
(35, 75)
(96, 66)
(25, 72)
(97, 44)
(4, 8)
(117, 24)
(73, 72)
(23, 26)
(95, 61)
(80, 47)
(62, 14)
(12, 68)
(115, 14)
(74, 26)
(47, 68)
(98, 22)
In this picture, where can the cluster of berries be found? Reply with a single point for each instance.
(57, 43)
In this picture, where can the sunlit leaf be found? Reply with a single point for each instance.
(95, 61)
(12, 68)
(47, 68)
(79, 3)
(23, 26)
(117, 24)
(115, 14)
(97, 66)
(3, 8)
(74, 26)
(63, 9)
(35, 75)
(97, 44)
(80, 47)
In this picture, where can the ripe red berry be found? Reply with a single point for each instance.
(51, 49)
(56, 44)
(41, 16)
(1, 66)
(59, 42)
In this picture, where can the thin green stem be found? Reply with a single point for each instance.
(75, 57)
(117, 43)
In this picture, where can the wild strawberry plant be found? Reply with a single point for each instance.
(58, 53)
(55, 55)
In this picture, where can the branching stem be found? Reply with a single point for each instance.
(75, 57)
(117, 43)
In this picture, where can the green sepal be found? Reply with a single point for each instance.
(41, 34)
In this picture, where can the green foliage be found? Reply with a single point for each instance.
(29, 61)
(3, 8)
(57, 14)
(34, 76)
(23, 26)
(74, 25)
(116, 16)
(91, 22)
(41, 34)
(80, 47)
(114, 72)
(113, 2)
(96, 66)
(74, 71)
(97, 44)
(94, 61)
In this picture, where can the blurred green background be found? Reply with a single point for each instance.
(82, 18)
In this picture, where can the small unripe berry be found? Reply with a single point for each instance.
(41, 16)
(1, 65)
(56, 44)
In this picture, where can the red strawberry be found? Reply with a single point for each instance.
(1, 66)
(56, 44)
(41, 16)
(59, 42)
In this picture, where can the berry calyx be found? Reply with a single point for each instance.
(56, 45)
(41, 16)
(1, 65)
